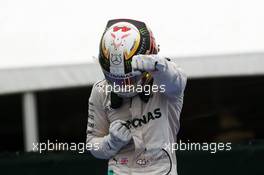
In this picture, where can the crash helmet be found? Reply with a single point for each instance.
(121, 40)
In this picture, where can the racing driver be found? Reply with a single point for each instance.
(132, 127)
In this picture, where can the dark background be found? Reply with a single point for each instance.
(215, 109)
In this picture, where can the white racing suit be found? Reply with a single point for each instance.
(154, 125)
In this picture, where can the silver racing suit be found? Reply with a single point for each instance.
(154, 125)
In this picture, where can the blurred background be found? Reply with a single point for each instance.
(48, 65)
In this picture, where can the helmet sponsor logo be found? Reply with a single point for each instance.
(116, 59)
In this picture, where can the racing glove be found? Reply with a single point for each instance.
(148, 63)
(164, 72)
(119, 136)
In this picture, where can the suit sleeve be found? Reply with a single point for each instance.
(171, 76)
(98, 124)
